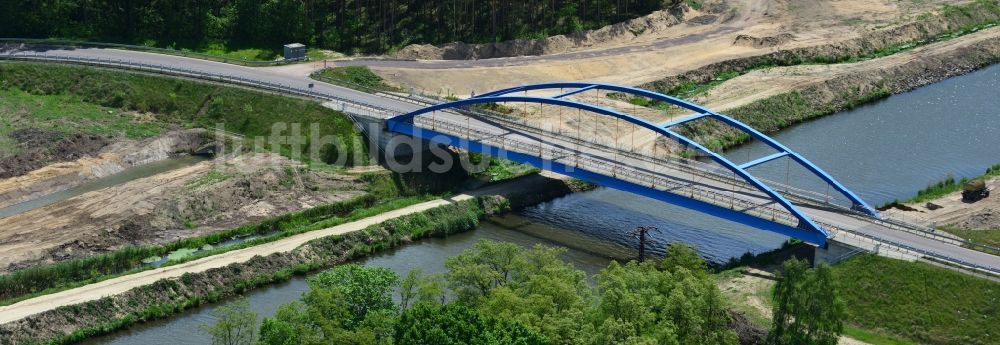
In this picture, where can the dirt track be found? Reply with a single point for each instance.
(669, 51)
(764, 83)
(981, 215)
(122, 284)
(190, 201)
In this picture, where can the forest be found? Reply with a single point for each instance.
(348, 26)
(500, 293)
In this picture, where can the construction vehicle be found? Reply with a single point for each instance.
(975, 190)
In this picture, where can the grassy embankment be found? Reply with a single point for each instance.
(360, 78)
(946, 186)
(183, 102)
(169, 296)
(894, 302)
(780, 111)
(67, 115)
(249, 54)
(918, 301)
(90, 93)
(989, 237)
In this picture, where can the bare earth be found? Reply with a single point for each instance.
(186, 202)
(980, 215)
(806, 22)
(750, 293)
(121, 284)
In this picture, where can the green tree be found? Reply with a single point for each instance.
(408, 288)
(682, 255)
(806, 308)
(350, 304)
(485, 266)
(235, 324)
(363, 289)
(640, 303)
(458, 324)
(291, 325)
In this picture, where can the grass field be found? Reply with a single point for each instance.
(356, 77)
(990, 237)
(70, 115)
(919, 302)
(240, 53)
(175, 101)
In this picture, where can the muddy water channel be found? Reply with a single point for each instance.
(130, 174)
(884, 151)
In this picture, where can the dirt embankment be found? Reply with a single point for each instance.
(951, 210)
(619, 33)
(186, 202)
(807, 92)
(928, 27)
(38, 148)
(166, 296)
(81, 158)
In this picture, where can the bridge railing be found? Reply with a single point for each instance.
(720, 174)
(362, 109)
(916, 252)
(760, 210)
(142, 48)
(767, 210)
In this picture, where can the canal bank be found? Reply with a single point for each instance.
(681, 217)
(885, 150)
(427, 255)
(132, 300)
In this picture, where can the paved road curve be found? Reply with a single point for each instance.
(549, 142)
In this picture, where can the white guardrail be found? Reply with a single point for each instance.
(630, 174)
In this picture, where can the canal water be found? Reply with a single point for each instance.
(129, 174)
(883, 151)
(427, 255)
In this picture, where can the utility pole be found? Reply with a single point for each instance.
(640, 233)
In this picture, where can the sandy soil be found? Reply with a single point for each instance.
(807, 23)
(980, 215)
(765, 83)
(733, 93)
(750, 293)
(119, 285)
(107, 160)
(185, 202)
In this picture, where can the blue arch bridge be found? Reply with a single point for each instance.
(590, 131)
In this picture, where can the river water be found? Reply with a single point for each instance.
(883, 151)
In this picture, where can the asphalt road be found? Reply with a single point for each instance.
(674, 179)
(549, 141)
(533, 59)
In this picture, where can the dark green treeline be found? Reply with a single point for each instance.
(353, 26)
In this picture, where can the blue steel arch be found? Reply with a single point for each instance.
(813, 232)
(857, 203)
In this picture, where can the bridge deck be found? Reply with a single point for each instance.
(692, 182)
(840, 225)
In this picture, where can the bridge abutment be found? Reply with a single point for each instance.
(834, 252)
(389, 145)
